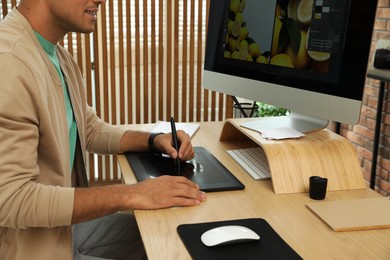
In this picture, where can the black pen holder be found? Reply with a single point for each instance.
(317, 187)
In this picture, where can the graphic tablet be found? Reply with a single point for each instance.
(204, 169)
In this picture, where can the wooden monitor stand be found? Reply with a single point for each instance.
(293, 161)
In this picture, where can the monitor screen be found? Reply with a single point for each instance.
(308, 56)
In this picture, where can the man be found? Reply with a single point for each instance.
(45, 128)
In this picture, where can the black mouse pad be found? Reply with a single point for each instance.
(204, 169)
(270, 245)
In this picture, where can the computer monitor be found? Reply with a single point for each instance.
(308, 56)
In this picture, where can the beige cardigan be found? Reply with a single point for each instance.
(36, 194)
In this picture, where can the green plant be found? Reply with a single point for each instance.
(269, 110)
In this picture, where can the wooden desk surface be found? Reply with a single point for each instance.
(287, 214)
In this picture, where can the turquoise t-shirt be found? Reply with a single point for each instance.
(50, 49)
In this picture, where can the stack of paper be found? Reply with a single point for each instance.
(281, 133)
(165, 127)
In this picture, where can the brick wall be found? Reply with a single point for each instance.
(362, 134)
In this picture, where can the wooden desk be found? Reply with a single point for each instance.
(287, 214)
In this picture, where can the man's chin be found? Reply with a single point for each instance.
(86, 30)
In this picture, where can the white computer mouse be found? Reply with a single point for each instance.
(230, 234)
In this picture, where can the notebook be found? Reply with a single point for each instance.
(165, 127)
(204, 169)
(355, 214)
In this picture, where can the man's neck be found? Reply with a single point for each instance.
(39, 21)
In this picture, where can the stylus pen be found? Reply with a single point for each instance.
(175, 144)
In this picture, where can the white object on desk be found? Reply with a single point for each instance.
(231, 234)
(281, 133)
(276, 132)
(253, 161)
(165, 127)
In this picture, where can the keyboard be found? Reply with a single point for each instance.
(253, 161)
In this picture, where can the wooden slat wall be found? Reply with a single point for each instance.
(142, 64)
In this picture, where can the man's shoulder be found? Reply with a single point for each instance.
(12, 35)
(16, 34)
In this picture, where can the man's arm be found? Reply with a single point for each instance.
(138, 141)
(162, 192)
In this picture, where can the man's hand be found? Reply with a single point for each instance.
(136, 141)
(162, 192)
(164, 143)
